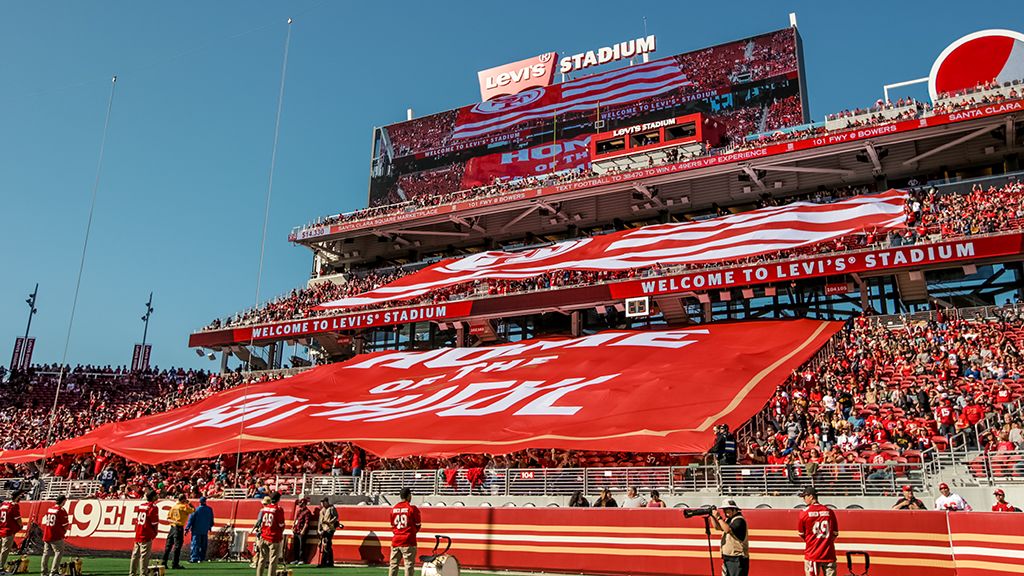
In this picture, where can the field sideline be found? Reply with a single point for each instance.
(119, 567)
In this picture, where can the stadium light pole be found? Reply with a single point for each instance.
(145, 319)
(31, 301)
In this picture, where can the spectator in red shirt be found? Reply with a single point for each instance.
(300, 525)
(947, 418)
(358, 462)
(819, 529)
(147, 520)
(10, 525)
(271, 537)
(55, 527)
(405, 524)
(1001, 504)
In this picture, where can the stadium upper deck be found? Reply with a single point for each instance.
(967, 134)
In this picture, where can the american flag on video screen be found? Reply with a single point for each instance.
(730, 238)
(608, 89)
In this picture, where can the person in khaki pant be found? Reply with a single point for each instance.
(271, 543)
(405, 524)
(256, 532)
(55, 527)
(147, 520)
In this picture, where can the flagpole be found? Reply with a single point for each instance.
(81, 267)
(263, 239)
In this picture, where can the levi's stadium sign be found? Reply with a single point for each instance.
(608, 54)
(540, 70)
(518, 76)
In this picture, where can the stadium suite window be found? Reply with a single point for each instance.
(646, 139)
(612, 145)
(681, 132)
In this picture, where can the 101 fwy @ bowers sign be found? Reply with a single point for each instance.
(616, 390)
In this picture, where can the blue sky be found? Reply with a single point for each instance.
(180, 205)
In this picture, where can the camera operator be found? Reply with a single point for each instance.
(735, 548)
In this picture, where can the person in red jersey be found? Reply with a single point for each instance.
(55, 527)
(1001, 504)
(819, 529)
(147, 521)
(405, 524)
(10, 525)
(271, 537)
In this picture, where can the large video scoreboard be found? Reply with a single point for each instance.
(746, 86)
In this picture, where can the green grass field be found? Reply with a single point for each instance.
(119, 567)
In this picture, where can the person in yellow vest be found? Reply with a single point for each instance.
(177, 517)
(735, 548)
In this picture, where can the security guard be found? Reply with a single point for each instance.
(735, 548)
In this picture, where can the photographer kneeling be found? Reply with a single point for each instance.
(735, 549)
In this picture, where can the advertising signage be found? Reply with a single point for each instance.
(740, 86)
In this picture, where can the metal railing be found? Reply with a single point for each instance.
(331, 485)
(998, 467)
(829, 479)
(53, 487)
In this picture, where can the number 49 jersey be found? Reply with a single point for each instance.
(405, 523)
(819, 528)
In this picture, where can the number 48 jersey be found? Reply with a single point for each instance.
(819, 528)
(405, 523)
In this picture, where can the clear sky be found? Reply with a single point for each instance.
(180, 206)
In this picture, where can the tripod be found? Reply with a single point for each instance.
(711, 552)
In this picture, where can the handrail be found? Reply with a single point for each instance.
(831, 479)
(1005, 467)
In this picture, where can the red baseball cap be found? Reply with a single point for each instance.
(943, 485)
(999, 492)
(908, 487)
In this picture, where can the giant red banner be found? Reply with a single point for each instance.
(852, 135)
(649, 391)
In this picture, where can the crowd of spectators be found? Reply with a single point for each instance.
(91, 396)
(784, 112)
(422, 133)
(884, 395)
(299, 302)
(727, 64)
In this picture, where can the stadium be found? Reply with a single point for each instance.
(654, 285)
